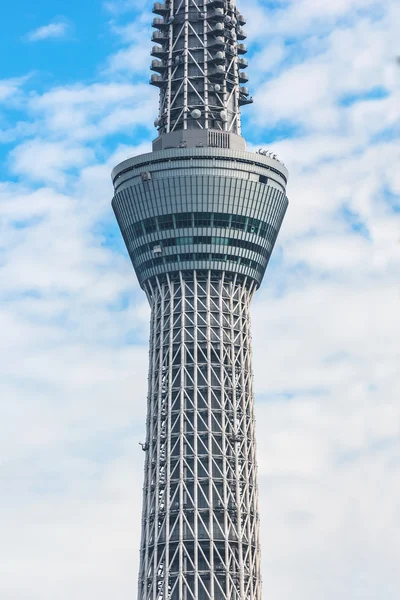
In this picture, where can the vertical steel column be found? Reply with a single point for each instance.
(195, 440)
(186, 68)
(206, 56)
(210, 440)
(182, 445)
(171, 67)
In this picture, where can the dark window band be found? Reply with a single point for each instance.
(189, 220)
(204, 239)
(198, 256)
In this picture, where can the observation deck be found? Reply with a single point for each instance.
(204, 209)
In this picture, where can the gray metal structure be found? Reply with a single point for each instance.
(200, 216)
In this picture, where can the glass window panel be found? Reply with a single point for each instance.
(183, 220)
(202, 239)
(184, 240)
(169, 243)
(216, 256)
(202, 219)
(253, 225)
(138, 229)
(238, 222)
(201, 256)
(165, 222)
(221, 220)
(149, 225)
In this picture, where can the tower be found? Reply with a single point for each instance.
(199, 216)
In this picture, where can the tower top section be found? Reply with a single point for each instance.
(199, 68)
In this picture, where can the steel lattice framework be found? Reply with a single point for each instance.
(200, 537)
(200, 217)
(200, 62)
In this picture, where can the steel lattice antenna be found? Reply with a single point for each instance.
(200, 217)
(199, 60)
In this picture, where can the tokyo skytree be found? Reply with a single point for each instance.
(200, 216)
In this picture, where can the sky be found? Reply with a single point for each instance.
(74, 101)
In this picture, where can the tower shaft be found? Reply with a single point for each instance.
(200, 536)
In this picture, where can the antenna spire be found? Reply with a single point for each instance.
(199, 68)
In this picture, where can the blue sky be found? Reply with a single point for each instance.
(74, 101)
(89, 39)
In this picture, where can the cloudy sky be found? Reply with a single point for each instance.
(74, 101)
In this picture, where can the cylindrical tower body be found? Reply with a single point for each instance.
(200, 516)
(200, 217)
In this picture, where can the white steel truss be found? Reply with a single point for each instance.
(199, 64)
(200, 523)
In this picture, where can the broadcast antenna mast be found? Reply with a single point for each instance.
(200, 216)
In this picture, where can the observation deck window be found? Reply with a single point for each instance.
(201, 256)
(150, 225)
(183, 220)
(165, 222)
(202, 219)
(202, 239)
(138, 230)
(206, 240)
(184, 240)
(238, 222)
(221, 220)
(197, 220)
(217, 256)
(168, 243)
(189, 256)
(252, 225)
(220, 240)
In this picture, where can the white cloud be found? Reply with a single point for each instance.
(135, 37)
(11, 88)
(56, 30)
(86, 113)
(41, 160)
(129, 59)
(296, 18)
